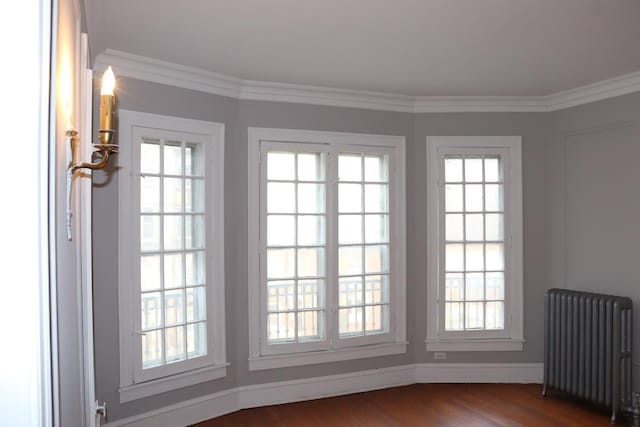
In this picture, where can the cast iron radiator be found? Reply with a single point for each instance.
(587, 347)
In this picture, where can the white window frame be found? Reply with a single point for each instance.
(512, 337)
(136, 383)
(265, 356)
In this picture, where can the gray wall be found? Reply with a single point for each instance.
(551, 248)
(597, 200)
(536, 141)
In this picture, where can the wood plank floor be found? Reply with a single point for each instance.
(424, 405)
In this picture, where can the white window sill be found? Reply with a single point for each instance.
(326, 356)
(161, 385)
(489, 344)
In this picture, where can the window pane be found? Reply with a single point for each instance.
(149, 157)
(150, 272)
(350, 229)
(495, 286)
(474, 259)
(310, 198)
(310, 325)
(195, 233)
(474, 285)
(375, 198)
(376, 289)
(281, 197)
(492, 169)
(173, 274)
(376, 259)
(453, 197)
(281, 230)
(375, 168)
(152, 349)
(196, 340)
(453, 316)
(453, 169)
(281, 327)
(281, 263)
(173, 158)
(280, 295)
(172, 232)
(174, 344)
(495, 226)
(172, 194)
(376, 229)
(350, 291)
(281, 166)
(494, 198)
(453, 227)
(350, 198)
(310, 294)
(194, 159)
(350, 167)
(474, 315)
(454, 257)
(194, 195)
(149, 232)
(310, 167)
(174, 307)
(196, 304)
(495, 315)
(149, 194)
(350, 260)
(495, 256)
(350, 321)
(195, 270)
(310, 230)
(474, 227)
(310, 262)
(473, 197)
(454, 287)
(376, 318)
(473, 170)
(151, 311)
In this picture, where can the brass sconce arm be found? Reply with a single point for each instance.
(104, 151)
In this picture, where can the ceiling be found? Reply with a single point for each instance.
(412, 47)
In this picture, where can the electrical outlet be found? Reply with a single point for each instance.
(440, 356)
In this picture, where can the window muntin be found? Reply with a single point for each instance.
(363, 244)
(383, 301)
(173, 321)
(474, 256)
(481, 222)
(296, 246)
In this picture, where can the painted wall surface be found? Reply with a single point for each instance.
(545, 221)
(597, 215)
(534, 128)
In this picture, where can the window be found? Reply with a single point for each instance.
(326, 246)
(475, 244)
(170, 247)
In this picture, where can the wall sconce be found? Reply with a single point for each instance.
(104, 149)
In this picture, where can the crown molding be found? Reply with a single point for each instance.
(604, 89)
(168, 73)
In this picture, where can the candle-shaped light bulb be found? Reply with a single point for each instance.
(107, 103)
(108, 82)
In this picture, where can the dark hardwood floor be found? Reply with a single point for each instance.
(424, 405)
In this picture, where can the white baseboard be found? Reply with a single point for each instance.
(218, 404)
(519, 373)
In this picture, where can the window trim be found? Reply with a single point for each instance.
(214, 364)
(396, 344)
(512, 339)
